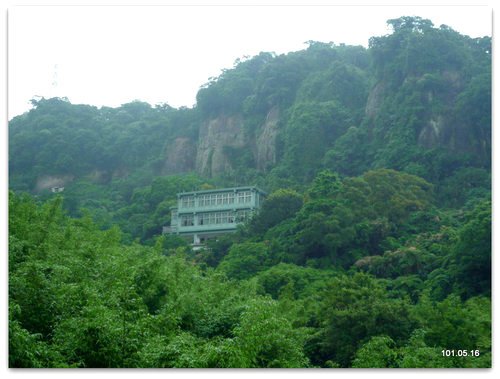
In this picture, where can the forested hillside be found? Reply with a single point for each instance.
(372, 249)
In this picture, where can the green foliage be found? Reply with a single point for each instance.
(246, 259)
(217, 249)
(342, 82)
(346, 155)
(325, 184)
(402, 52)
(465, 185)
(416, 353)
(376, 353)
(394, 195)
(344, 220)
(80, 298)
(381, 352)
(53, 138)
(452, 324)
(355, 309)
(311, 129)
(472, 253)
(373, 248)
(103, 304)
(399, 263)
(27, 350)
(277, 207)
(427, 113)
(416, 112)
(285, 279)
(233, 88)
(265, 338)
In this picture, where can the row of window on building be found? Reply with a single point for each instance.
(213, 218)
(242, 197)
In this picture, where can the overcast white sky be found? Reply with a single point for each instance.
(113, 55)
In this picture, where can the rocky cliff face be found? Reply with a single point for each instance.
(220, 140)
(375, 99)
(215, 136)
(438, 130)
(265, 151)
(431, 133)
(438, 124)
(179, 156)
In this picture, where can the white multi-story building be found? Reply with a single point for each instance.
(201, 215)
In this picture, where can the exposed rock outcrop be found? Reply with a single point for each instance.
(375, 99)
(266, 141)
(180, 156)
(215, 136)
(431, 133)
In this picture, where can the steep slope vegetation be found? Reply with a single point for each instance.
(373, 248)
(417, 100)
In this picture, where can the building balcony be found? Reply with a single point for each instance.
(207, 228)
(215, 207)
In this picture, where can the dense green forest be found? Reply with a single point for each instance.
(372, 248)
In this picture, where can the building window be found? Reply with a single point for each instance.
(201, 200)
(187, 201)
(187, 220)
(223, 217)
(216, 218)
(243, 215)
(219, 198)
(206, 218)
(244, 197)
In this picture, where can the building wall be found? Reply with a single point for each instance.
(215, 211)
(225, 199)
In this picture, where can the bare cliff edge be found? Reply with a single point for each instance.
(265, 149)
(210, 154)
(220, 141)
(214, 137)
(179, 156)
